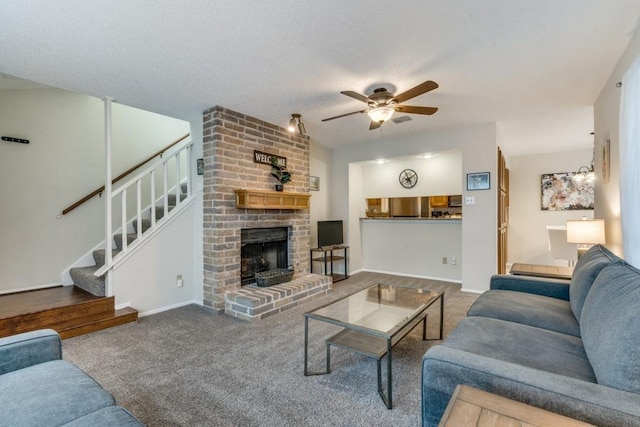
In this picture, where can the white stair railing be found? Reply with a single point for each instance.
(141, 185)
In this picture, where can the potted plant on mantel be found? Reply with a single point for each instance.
(280, 173)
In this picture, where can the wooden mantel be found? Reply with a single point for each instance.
(265, 199)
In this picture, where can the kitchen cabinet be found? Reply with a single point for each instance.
(439, 201)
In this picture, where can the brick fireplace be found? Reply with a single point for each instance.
(262, 249)
(229, 141)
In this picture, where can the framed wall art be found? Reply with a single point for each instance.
(314, 183)
(560, 192)
(478, 181)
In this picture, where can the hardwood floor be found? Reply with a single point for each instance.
(67, 309)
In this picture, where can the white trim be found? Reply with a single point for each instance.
(169, 307)
(87, 259)
(417, 276)
(34, 288)
(472, 291)
(123, 305)
(108, 184)
(119, 259)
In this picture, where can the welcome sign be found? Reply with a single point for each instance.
(267, 159)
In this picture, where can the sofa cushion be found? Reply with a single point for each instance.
(111, 416)
(29, 348)
(529, 309)
(610, 327)
(522, 345)
(587, 269)
(51, 393)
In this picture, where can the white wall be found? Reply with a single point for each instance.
(606, 118)
(63, 162)
(479, 229)
(439, 175)
(320, 166)
(147, 280)
(355, 205)
(527, 222)
(413, 248)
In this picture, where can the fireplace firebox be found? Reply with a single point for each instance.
(262, 249)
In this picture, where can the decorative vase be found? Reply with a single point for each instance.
(279, 187)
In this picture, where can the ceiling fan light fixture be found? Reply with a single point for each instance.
(381, 114)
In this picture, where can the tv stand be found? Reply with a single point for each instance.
(327, 258)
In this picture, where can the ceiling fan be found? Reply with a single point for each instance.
(382, 103)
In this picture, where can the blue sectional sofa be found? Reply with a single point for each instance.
(569, 347)
(38, 388)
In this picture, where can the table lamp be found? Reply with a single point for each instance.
(586, 233)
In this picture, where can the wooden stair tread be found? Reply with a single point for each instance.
(30, 302)
(95, 322)
(67, 309)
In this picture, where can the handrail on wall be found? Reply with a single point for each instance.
(122, 175)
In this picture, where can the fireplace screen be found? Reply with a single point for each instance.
(262, 249)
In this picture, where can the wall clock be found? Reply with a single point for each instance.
(408, 178)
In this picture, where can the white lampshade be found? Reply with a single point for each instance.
(585, 231)
(381, 114)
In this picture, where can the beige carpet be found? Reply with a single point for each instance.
(187, 367)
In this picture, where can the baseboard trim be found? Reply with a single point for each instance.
(472, 291)
(169, 307)
(31, 288)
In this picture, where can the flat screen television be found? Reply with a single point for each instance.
(330, 233)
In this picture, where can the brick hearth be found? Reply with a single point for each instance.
(230, 139)
(255, 303)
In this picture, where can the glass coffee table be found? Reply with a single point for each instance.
(373, 321)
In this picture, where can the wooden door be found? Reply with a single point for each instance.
(503, 212)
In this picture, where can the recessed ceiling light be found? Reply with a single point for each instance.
(380, 161)
(426, 155)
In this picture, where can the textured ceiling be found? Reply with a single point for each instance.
(534, 66)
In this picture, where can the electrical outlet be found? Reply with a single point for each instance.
(469, 200)
(179, 282)
(444, 259)
(454, 261)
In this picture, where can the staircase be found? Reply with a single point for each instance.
(85, 278)
(79, 309)
(84, 308)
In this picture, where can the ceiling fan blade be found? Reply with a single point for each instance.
(374, 125)
(343, 115)
(418, 90)
(356, 95)
(415, 110)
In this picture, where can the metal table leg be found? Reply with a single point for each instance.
(441, 322)
(306, 352)
(441, 314)
(387, 399)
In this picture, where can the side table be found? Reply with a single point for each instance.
(538, 270)
(327, 258)
(472, 407)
